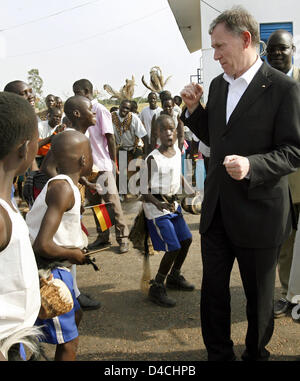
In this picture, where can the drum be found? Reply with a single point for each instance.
(56, 298)
(192, 204)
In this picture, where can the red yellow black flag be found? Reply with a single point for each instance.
(104, 214)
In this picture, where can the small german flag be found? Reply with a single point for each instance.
(105, 215)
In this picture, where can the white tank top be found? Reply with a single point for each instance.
(165, 181)
(69, 233)
(19, 281)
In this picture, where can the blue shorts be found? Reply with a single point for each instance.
(168, 231)
(61, 329)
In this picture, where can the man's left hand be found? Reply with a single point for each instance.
(237, 166)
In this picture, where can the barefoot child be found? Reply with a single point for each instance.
(19, 281)
(55, 230)
(167, 228)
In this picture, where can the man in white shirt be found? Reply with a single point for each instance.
(131, 136)
(254, 135)
(146, 116)
(128, 128)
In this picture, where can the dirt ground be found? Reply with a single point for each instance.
(128, 327)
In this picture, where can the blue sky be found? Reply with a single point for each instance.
(105, 41)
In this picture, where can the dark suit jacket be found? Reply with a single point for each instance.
(265, 127)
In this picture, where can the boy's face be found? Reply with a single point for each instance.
(58, 102)
(168, 107)
(124, 109)
(50, 102)
(87, 116)
(167, 133)
(177, 101)
(152, 99)
(55, 118)
(26, 92)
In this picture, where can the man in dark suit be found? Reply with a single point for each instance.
(252, 124)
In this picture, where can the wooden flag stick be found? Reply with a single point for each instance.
(96, 251)
(92, 206)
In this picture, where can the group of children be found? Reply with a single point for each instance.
(52, 236)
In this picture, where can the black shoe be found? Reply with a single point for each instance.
(98, 244)
(179, 283)
(281, 307)
(124, 247)
(157, 294)
(87, 303)
(263, 356)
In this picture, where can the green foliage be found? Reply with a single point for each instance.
(36, 82)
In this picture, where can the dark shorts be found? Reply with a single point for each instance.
(168, 231)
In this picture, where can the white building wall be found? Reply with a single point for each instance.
(264, 11)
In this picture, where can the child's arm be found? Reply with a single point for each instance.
(111, 145)
(148, 197)
(59, 198)
(154, 133)
(45, 141)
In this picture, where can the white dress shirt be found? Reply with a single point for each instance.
(238, 86)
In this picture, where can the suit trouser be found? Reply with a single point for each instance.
(258, 269)
(107, 181)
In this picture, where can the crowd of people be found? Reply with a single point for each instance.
(78, 152)
(78, 160)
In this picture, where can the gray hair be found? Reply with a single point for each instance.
(237, 20)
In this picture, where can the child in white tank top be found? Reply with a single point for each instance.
(19, 281)
(166, 225)
(55, 230)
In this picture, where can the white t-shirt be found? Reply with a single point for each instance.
(45, 130)
(177, 109)
(146, 117)
(20, 298)
(127, 139)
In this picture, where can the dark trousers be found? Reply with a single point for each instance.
(258, 270)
